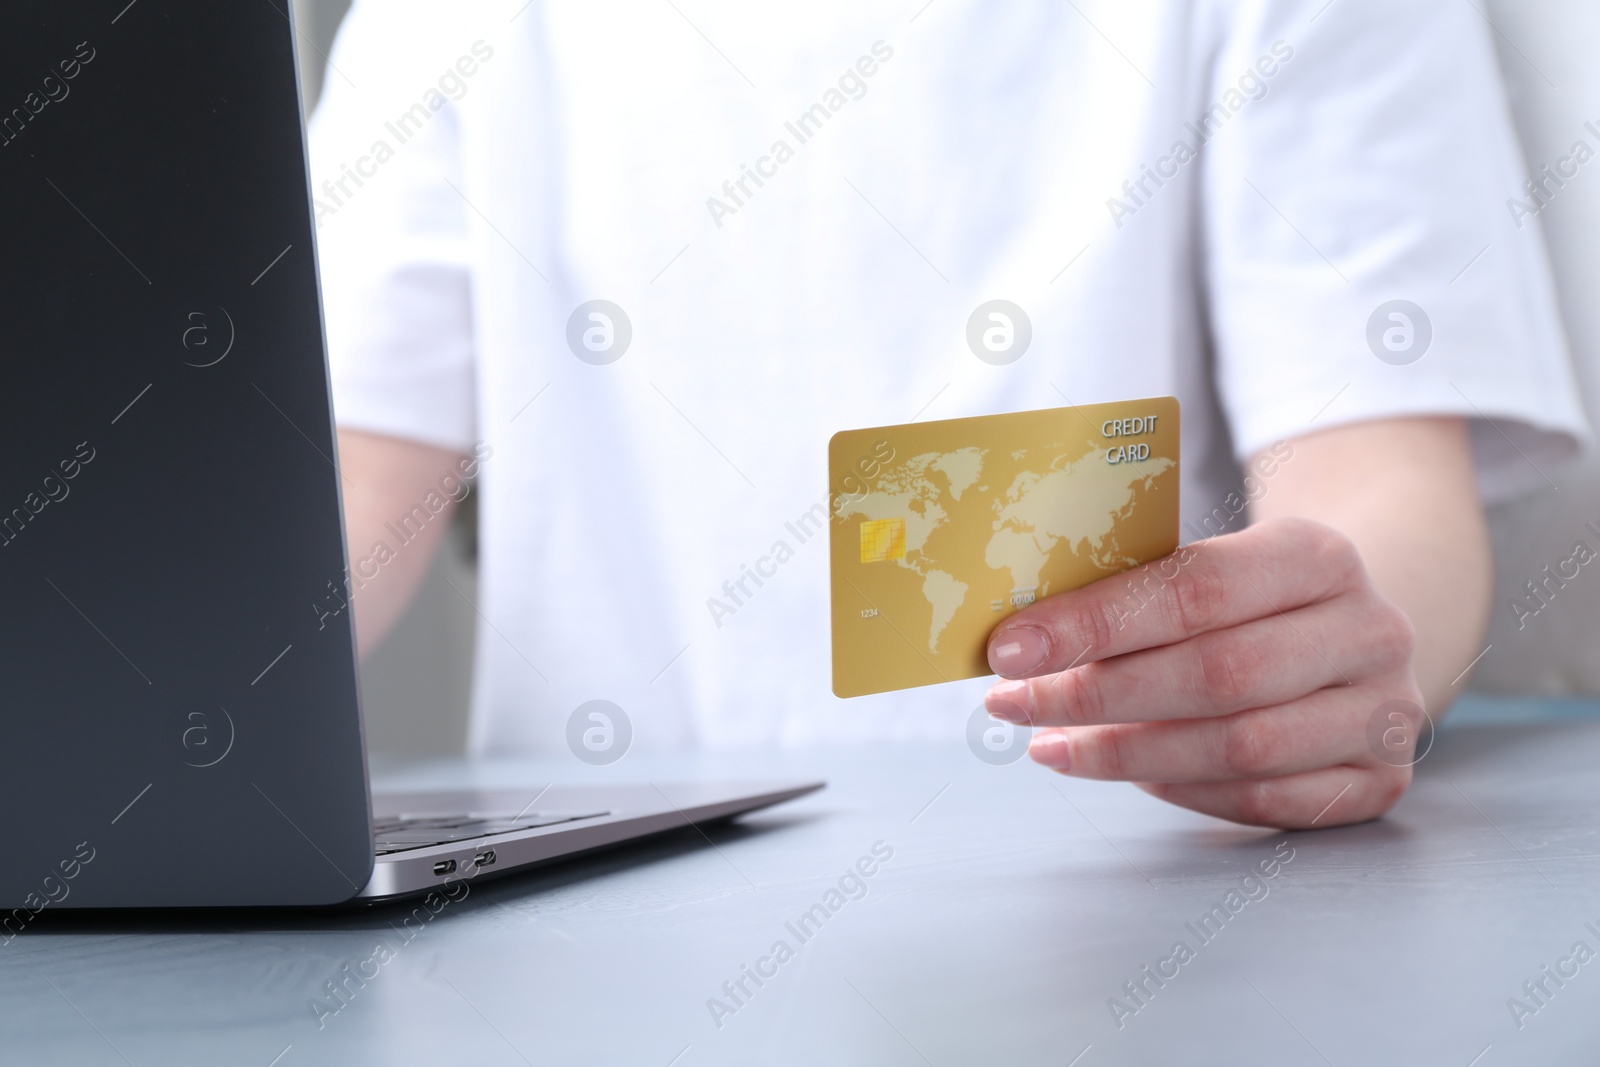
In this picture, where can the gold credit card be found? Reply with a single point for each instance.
(942, 529)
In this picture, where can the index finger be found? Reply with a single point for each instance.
(1268, 568)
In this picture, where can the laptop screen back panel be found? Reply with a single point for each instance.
(180, 710)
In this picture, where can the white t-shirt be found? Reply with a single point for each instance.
(1208, 198)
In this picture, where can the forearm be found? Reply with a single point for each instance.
(1404, 491)
(391, 488)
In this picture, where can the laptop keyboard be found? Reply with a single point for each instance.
(400, 833)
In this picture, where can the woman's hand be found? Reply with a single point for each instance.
(1237, 677)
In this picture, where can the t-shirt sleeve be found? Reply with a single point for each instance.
(392, 231)
(1366, 256)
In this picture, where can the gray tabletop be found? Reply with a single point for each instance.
(932, 909)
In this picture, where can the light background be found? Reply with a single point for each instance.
(416, 688)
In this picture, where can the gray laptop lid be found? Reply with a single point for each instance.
(181, 723)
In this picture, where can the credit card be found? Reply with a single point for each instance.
(942, 529)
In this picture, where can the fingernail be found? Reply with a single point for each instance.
(1010, 702)
(1051, 750)
(1019, 650)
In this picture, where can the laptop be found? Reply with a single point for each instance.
(182, 726)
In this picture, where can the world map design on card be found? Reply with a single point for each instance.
(942, 529)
